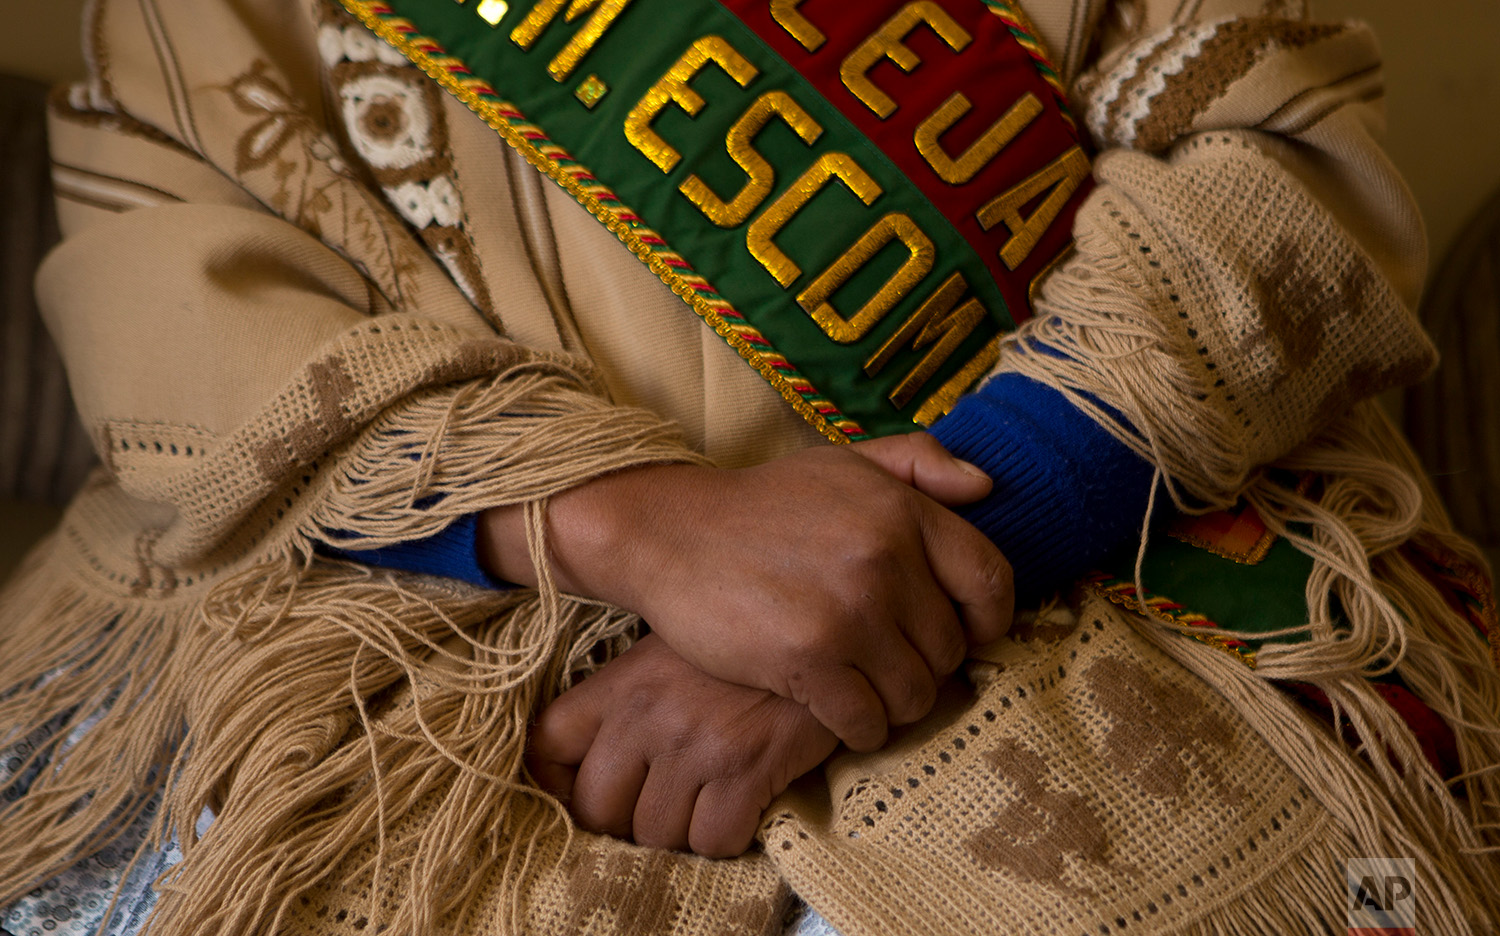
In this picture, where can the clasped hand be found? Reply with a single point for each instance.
(833, 578)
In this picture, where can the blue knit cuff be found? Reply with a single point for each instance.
(453, 552)
(1066, 494)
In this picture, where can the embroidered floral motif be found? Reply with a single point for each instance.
(435, 202)
(393, 118)
(286, 160)
(338, 42)
(255, 93)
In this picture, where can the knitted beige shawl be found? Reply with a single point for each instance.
(272, 350)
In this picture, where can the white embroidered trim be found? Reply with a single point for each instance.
(387, 120)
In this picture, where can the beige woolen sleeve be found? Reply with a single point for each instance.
(1247, 267)
(244, 319)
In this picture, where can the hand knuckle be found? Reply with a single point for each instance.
(677, 731)
(865, 714)
(869, 564)
(814, 645)
(727, 758)
(916, 693)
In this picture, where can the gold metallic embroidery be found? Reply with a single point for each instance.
(741, 144)
(1034, 289)
(1063, 175)
(673, 87)
(492, 11)
(787, 16)
(545, 11)
(944, 297)
(887, 43)
(934, 323)
(774, 218)
(941, 402)
(945, 333)
(492, 116)
(981, 151)
(815, 298)
(592, 91)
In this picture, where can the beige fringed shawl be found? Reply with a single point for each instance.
(287, 324)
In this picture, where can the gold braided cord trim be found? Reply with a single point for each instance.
(1026, 35)
(1160, 608)
(449, 72)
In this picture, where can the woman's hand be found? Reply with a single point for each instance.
(833, 577)
(653, 749)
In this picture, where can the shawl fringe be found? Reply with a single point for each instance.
(316, 705)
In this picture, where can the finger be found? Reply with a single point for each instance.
(566, 729)
(920, 461)
(971, 570)
(561, 738)
(664, 812)
(725, 818)
(844, 701)
(608, 786)
(931, 623)
(557, 779)
(903, 680)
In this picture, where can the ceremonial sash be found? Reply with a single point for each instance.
(857, 197)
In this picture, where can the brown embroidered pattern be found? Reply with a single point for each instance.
(1300, 303)
(1234, 49)
(633, 887)
(755, 916)
(1158, 733)
(1033, 837)
(278, 120)
(330, 386)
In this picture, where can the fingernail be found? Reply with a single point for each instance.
(970, 468)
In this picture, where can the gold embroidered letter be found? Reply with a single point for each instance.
(941, 402)
(934, 323)
(774, 218)
(1063, 175)
(786, 15)
(542, 15)
(741, 145)
(894, 226)
(887, 43)
(981, 151)
(673, 87)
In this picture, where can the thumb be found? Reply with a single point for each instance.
(919, 460)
